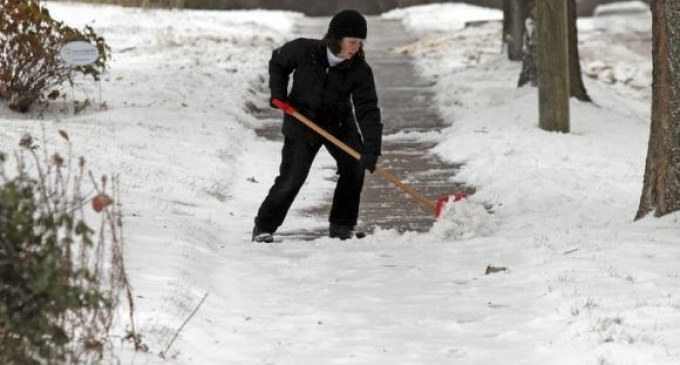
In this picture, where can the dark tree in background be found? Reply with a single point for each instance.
(515, 13)
(661, 187)
(529, 75)
(576, 87)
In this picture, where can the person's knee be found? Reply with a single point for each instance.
(289, 185)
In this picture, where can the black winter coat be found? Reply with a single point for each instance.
(326, 94)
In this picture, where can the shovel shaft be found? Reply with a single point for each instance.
(349, 150)
(420, 198)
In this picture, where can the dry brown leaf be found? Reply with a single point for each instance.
(100, 202)
(64, 135)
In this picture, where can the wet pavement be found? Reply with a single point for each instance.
(407, 105)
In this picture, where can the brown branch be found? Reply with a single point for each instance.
(164, 352)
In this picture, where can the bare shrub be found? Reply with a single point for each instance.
(62, 277)
(30, 41)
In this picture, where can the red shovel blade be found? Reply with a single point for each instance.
(441, 202)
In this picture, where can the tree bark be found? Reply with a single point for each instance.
(552, 63)
(515, 13)
(661, 186)
(507, 14)
(529, 75)
(577, 88)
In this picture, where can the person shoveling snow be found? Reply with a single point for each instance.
(325, 86)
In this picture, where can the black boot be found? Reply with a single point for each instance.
(344, 232)
(261, 236)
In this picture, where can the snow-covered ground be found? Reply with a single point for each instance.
(582, 284)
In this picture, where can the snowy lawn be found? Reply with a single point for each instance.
(577, 281)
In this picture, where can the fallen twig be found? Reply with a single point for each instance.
(164, 352)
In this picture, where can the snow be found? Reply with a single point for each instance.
(583, 283)
(441, 17)
(623, 17)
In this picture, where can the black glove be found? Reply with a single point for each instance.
(368, 161)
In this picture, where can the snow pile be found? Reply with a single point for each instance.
(626, 63)
(623, 17)
(441, 17)
(624, 73)
(463, 219)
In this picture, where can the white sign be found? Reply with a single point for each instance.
(79, 53)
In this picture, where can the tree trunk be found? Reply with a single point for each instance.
(529, 75)
(507, 14)
(661, 187)
(577, 88)
(552, 63)
(515, 13)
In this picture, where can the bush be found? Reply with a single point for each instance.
(30, 41)
(60, 281)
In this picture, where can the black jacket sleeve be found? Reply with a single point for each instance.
(365, 100)
(281, 65)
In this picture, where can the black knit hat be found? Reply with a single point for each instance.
(348, 23)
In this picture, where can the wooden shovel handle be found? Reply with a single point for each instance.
(420, 198)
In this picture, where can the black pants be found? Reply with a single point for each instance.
(296, 159)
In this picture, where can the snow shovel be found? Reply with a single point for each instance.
(435, 207)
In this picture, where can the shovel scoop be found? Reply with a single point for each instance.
(436, 207)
